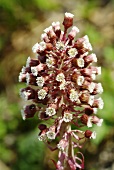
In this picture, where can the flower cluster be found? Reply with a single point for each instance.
(61, 84)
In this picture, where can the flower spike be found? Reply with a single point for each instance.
(62, 87)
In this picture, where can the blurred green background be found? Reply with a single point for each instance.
(21, 24)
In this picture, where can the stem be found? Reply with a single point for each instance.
(69, 149)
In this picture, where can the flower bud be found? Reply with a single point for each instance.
(42, 135)
(28, 111)
(98, 89)
(27, 93)
(44, 37)
(85, 97)
(43, 116)
(57, 30)
(97, 121)
(22, 77)
(36, 48)
(42, 127)
(90, 134)
(68, 20)
(90, 58)
(84, 119)
(26, 70)
(90, 110)
(73, 32)
(30, 79)
(77, 78)
(37, 69)
(78, 62)
(31, 62)
(98, 103)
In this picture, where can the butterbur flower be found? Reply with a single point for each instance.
(67, 117)
(50, 111)
(42, 94)
(62, 87)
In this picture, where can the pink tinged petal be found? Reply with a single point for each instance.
(59, 166)
(22, 77)
(100, 122)
(42, 46)
(94, 70)
(35, 48)
(91, 87)
(50, 32)
(93, 135)
(56, 25)
(37, 69)
(86, 43)
(98, 103)
(73, 32)
(89, 122)
(91, 100)
(44, 37)
(97, 121)
(88, 85)
(61, 35)
(90, 58)
(98, 88)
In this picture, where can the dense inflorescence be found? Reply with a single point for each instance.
(61, 83)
